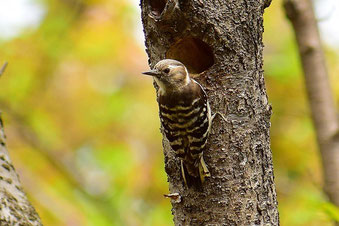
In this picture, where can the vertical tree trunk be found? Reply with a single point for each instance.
(220, 42)
(15, 209)
(324, 115)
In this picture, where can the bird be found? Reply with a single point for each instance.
(185, 115)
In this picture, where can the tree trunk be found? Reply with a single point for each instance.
(15, 209)
(220, 42)
(324, 115)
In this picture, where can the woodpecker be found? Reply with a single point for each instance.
(185, 115)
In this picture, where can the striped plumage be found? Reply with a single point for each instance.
(185, 116)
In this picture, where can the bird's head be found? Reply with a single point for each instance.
(169, 74)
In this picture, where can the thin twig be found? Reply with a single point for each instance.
(3, 68)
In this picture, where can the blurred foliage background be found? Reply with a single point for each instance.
(82, 122)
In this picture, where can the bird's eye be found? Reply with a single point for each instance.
(167, 70)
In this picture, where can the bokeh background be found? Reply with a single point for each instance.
(82, 122)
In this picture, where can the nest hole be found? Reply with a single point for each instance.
(193, 52)
(157, 6)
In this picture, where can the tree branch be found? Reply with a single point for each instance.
(301, 14)
(64, 165)
(15, 209)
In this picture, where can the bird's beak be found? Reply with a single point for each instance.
(152, 73)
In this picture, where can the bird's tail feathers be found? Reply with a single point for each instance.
(195, 181)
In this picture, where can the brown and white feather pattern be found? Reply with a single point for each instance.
(186, 117)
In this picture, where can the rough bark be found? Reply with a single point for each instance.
(15, 209)
(301, 14)
(221, 44)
